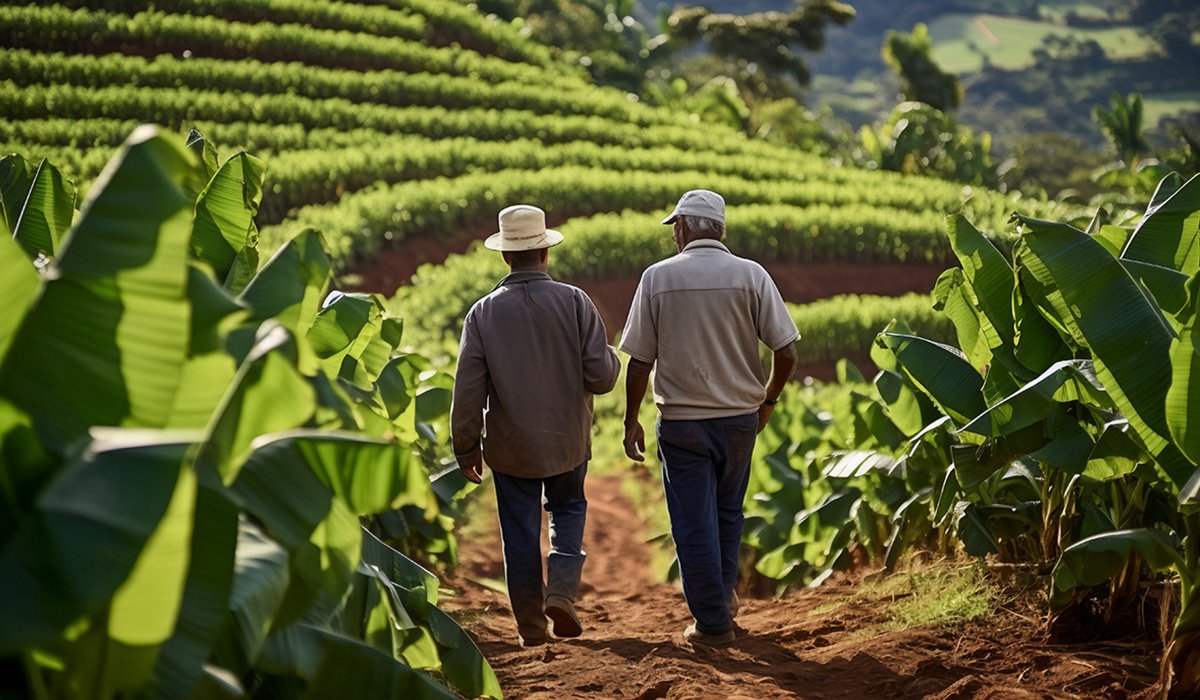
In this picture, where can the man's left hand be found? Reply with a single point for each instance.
(635, 441)
(764, 415)
(471, 466)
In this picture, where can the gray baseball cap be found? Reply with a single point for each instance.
(704, 203)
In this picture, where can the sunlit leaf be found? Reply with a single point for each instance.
(114, 315)
(47, 214)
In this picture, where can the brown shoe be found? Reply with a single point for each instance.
(561, 612)
(532, 641)
(695, 636)
(734, 604)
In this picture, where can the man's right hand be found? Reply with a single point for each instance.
(471, 466)
(635, 441)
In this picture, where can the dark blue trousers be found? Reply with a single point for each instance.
(706, 466)
(519, 503)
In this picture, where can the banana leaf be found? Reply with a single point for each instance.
(100, 516)
(1183, 397)
(973, 531)
(16, 177)
(225, 212)
(209, 369)
(1169, 233)
(1062, 382)
(183, 660)
(259, 585)
(336, 666)
(1092, 561)
(1092, 295)
(114, 316)
(289, 289)
(459, 659)
(942, 372)
(47, 213)
(268, 395)
(19, 286)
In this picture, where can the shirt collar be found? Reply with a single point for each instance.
(705, 243)
(523, 276)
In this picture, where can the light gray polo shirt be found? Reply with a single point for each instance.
(698, 317)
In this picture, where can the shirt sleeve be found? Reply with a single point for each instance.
(600, 364)
(639, 340)
(775, 325)
(470, 390)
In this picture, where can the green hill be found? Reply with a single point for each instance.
(384, 123)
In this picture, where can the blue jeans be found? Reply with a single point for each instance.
(706, 466)
(517, 502)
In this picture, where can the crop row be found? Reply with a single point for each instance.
(610, 246)
(387, 87)
(454, 22)
(380, 21)
(363, 220)
(180, 107)
(842, 326)
(846, 325)
(36, 135)
(82, 31)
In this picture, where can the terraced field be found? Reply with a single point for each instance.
(399, 129)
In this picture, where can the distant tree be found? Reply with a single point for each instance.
(1123, 126)
(918, 139)
(603, 35)
(759, 48)
(1171, 23)
(789, 122)
(922, 80)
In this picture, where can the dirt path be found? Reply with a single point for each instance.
(816, 643)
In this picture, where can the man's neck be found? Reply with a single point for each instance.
(692, 239)
(531, 268)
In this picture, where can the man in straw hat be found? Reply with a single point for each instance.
(696, 320)
(533, 353)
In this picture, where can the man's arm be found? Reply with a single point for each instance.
(637, 378)
(783, 363)
(470, 397)
(600, 364)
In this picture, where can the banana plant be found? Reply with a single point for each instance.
(188, 442)
(1068, 411)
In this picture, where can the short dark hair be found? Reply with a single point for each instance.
(524, 258)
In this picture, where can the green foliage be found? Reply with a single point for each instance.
(921, 78)
(391, 87)
(920, 139)
(1062, 431)
(1122, 124)
(204, 454)
(43, 28)
(758, 48)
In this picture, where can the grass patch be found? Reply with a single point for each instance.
(960, 41)
(937, 595)
(1157, 105)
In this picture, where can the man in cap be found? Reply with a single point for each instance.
(533, 353)
(696, 320)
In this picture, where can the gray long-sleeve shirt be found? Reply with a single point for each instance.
(533, 353)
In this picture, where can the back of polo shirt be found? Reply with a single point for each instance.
(698, 316)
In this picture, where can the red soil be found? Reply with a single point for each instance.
(798, 282)
(811, 643)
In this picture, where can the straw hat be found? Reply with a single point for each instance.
(522, 227)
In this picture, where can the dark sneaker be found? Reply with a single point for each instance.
(734, 605)
(695, 636)
(533, 640)
(561, 612)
